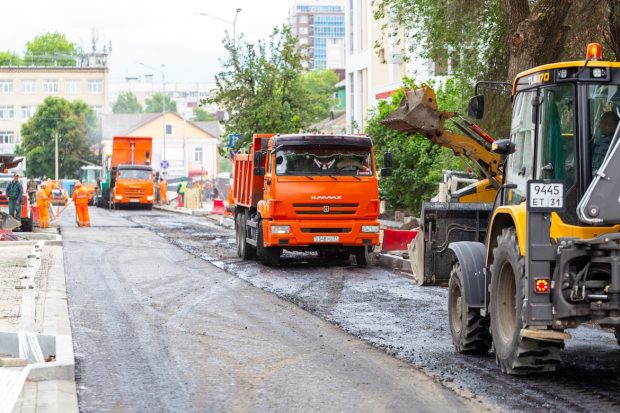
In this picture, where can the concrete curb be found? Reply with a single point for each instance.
(394, 262)
(172, 209)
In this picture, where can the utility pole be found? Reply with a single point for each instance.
(56, 155)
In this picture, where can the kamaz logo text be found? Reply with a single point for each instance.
(323, 197)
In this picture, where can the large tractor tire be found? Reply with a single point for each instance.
(470, 331)
(269, 256)
(246, 251)
(515, 354)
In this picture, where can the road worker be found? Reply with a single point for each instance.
(43, 205)
(80, 199)
(163, 191)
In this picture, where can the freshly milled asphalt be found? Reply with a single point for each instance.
(156, 328)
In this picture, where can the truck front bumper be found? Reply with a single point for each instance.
(144, 200)
(310, 233)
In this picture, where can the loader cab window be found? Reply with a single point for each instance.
(555, 157)
(522, 130)
(603, 107)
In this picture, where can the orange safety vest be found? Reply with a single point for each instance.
(80, 196)
(42, 198)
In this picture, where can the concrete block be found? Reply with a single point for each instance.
(13, 362)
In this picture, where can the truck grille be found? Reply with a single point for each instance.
(326, 230)
(326, 209)
(134, 192)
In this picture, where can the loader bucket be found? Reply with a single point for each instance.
(417, 113)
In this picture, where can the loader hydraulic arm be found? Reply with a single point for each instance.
(418, 113)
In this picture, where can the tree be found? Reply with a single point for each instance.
(127, 102)
(201, 115)
(261, 87)
(155, 103)
(320, 86)
(50, 49)
(10, 59)
(72, 121)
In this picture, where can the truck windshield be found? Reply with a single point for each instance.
(90, 175)
(134, 173)
(333, 161)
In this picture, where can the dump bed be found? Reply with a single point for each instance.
(131, 150)
(247, 188)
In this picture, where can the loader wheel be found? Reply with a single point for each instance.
(247, 251)
(470, 331)
(513, 353)
(269, 256)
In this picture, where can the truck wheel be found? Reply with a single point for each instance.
(238, 236)
(617, 334)
(364, 255)
(26, 225)
(513, 353)
(246, 250)
(470, 331)
(269, 256)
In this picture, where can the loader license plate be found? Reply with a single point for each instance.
(326, 238)
(545, 196)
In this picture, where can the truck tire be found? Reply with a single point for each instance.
(26, 225)
(617, 334)
(269, 256)
(238, 235)
(106, 198)
(364, 255)
(247, 251)
(513, 353)
(470, 331)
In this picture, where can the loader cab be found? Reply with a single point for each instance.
(561, 127)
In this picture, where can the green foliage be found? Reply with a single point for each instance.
(126, 102)
(155, 103)
(261, 86)
(73, 122)
(50, 49)
(320, 85)
(201, 115)
(8, 58)
(417, 161)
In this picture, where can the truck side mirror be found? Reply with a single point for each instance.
(259, 169)
(279, 160)
(503, 147)
(387, 164)
(475, 108)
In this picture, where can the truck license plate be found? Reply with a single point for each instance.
(134, 200)
(326, 238)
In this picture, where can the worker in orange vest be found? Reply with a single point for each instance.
(163, 191)
(80, 199)
(43, 205)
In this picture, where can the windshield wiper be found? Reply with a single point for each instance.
(309, 177)
(356, 177)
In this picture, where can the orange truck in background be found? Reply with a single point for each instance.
(129, 175)
(307, 192)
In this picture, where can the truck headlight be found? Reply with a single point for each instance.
(119, 197)
(150, 198)
(280, 229)
(370, 228)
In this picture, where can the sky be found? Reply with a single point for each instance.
(152, 32)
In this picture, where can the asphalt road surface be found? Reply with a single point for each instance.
(163, 319)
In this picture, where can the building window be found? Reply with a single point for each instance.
(198, 155)
(303, 30)
(50, 86)
(303, 19)
(303, 41)
(6, 86)
(7, 112)
(169, 129)
(72, 87)
(28, 111)
(7, 137)
(29, 86)
(95, 86)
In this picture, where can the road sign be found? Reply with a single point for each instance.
(164, 164)
(233, 138)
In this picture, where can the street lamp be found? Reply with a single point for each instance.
(163, 110)
(233, 22)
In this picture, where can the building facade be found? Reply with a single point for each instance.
(375, 64)
(24, 88)
(191, 149)
(320, 26)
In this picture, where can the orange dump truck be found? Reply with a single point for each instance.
(129, 175)
(307, 192)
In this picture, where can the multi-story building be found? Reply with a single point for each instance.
(186, 95)
(24, 88)
(374, 73)
(320, 26)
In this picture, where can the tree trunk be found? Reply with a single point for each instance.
(536, 36)
(614, 27)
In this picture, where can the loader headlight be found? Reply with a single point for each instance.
(370, 228)
(280, 229)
